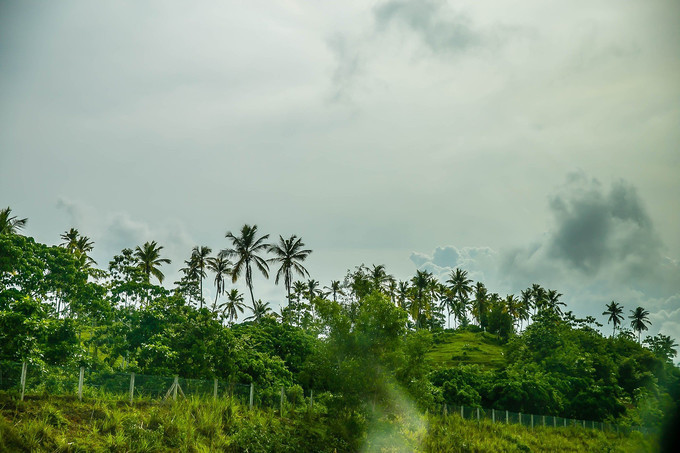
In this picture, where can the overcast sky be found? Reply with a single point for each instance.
(527, 142)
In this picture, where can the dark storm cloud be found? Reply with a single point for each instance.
(439, 28)
(595, 227)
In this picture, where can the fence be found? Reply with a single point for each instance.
(57, 380)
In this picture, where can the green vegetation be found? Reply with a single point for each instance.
(368, 345)
(50, 423)
(464, 347)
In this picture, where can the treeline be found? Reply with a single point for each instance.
(357, 341)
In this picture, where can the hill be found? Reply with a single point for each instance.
(466, 348)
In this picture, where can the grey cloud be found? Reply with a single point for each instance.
(440, 30)
(480, 262)
(348, 66)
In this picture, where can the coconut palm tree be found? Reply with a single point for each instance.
(245, 249)
(335, 289)
(233, 305)
(149, 260)
(10, 224)
(639, 320)
(379, 277)
(539, 297)
(199, 261)
(552, 301)
(290, 253)
(79, 246)
(460, 286)
(480, 304)
(260, 310)
(403, 292)
(221, 266)
(420, 303)
(615, 313)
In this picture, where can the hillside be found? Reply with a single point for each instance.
(42, 424)
(466, 348)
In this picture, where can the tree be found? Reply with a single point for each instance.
(639, 320)
(480, 304)
(260, 310)
(10, 224)
(552, 301)
(335, 289)
(461, 288)
(78, 245)
(233, 305)
(221, 267)
(662, 346)
(149, 260)
(290, 253)
(379, 277)
(420, 303)
(199, 261)
(245, 249)
(615, 313)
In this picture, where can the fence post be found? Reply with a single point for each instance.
(554, 422)
(532, 421)
(493, 415)
(132, 386)
(215, 389)
(311, 399)
(565, 422)
(281, 401)
(506, 416)
(520, 418)
(444, 410)
(584, 423)
(175, 384)
(462, 412)
(543, 420)
(252, 393)
(23, 379)
(80, 383)
(477, 414)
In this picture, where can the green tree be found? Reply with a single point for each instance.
(233, 305)
(149, 260)
(460, 286)
(662, 346)
(245, 249)
(290, 253)
(260, 310)
(10, 224)
(639, 320)
(335, 289)
(199, 261)
(480, 304)
(615, 313)
(221, 266)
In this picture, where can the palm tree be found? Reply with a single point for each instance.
(149, 260)
(480, 304)
(10, 224)
(233, 305)
(539, 297)
(221, 267)
(246, 248)
(335, 289)
(639, 320)
(552, 301)
(615, 313)
(199, 260)
(420, 303)
(524, 307)
(379, 277)
(512, 305)
(79, 246)
(260, 310)
(403, 291)
(461, 288)
(290, 253)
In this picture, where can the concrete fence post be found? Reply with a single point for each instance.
(132, 386)
(252, 394)
(584, 423)
(311, 399)
(532, 421)
(80, 383)
(506, 417)
(477, 414)
(565, 422)
(281, 401)
(24, 367)
(520, 418)
(175, 384)
(493, 415)
(215, 389)
(554, 422)
(444, 411)
(462, 412)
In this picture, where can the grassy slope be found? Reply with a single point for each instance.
(467, 348)
(65, 424)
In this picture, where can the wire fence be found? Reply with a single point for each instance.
(36, 379)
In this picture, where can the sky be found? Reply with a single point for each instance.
(526, 142)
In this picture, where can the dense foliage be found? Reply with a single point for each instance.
(359, 343)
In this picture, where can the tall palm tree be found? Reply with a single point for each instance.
(420, 303)
(149, 260)
(512, 305)
(539, 297)
(79, 246)
(639, 320)
(199, 260)
(615, 313)
(233, 305)
(460, 286)
(290, 253)
(552, 301)
(245, 249)
(403, 291)
(260, 310)
(10, 224)
(480, 304)
(335, 289)
(221, 266)
(524, 307)
(379, 277)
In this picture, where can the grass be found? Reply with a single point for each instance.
(64, 424)
(478, 348)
